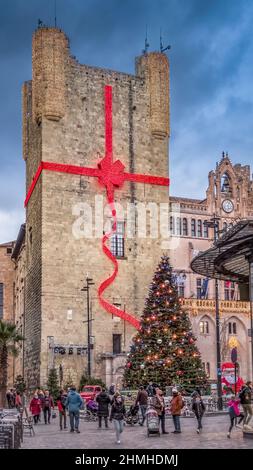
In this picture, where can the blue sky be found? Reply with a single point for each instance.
(211, 63)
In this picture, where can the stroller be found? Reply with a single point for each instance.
(132, 416)
(92, 410)
(152, 421)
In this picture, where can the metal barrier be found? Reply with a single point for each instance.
(11, 432)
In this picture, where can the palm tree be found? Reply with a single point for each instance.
(9, 338)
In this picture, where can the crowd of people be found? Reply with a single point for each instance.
(110, 406)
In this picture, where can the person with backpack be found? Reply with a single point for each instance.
(47, 404)
(61, 404)
(176, 406)
(198, 409)
(234, 412)
(245, 400)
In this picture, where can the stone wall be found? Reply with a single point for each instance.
(58, 261)
(7, 279)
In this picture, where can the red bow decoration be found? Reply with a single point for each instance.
(111, 175)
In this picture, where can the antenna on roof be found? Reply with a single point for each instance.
(162, 48)
(55, 16)
(145, 50)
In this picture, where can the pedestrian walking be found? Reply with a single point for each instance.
(18, 401)
(151, 390)
(117, 415)
(245, 400)
(61, 404)
(9, 398)
(112, 390)
(103, 401)
(47, 404)
(74, 403)
(158, 403)
(35, 408)
(198, 409)
(176, 406)
(234, 412)
(142, 401)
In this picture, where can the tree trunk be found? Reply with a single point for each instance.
(3, 375)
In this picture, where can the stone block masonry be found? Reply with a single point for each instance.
(63, 122)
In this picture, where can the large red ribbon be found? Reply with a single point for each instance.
(111, 175)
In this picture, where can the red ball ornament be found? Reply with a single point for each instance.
(129, 364)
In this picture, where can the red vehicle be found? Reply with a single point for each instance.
(89, 392)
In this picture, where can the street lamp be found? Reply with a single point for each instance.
(214, 223)
(250, 261)
(89, 282)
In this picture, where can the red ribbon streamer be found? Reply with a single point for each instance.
(111, 175)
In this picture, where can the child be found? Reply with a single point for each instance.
(234, 412)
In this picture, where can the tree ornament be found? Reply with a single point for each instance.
(159, 341)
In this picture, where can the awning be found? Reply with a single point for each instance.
(227, 259)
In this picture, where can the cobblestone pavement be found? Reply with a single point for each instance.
(213, 436)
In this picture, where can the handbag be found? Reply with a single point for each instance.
(54, 415)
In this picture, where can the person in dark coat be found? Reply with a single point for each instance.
(151, 391)
(142, 400)
(103, 401)
(117, 415)
(198, 409)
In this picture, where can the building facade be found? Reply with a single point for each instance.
(229, 197)
(60, 245)
(64, 123)
(7, 308)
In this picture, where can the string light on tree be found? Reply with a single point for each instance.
(164, 323)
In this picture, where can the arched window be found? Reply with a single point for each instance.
(178, 226)
(193, 228)
(204, 327)
(232, 328)
(206, 367)
(185, 227)
(199, 228)
(226, 184)
(205, 229)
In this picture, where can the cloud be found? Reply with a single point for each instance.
(211, 76)
(10, 222)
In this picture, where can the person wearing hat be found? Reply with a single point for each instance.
(176, 406)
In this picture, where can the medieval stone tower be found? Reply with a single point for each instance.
(64, 123)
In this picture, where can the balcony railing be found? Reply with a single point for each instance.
(195, 306)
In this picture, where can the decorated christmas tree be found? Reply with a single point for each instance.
(164, 350)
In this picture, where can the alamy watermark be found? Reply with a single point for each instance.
(135, 220)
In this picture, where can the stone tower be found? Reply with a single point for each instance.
(64, 123)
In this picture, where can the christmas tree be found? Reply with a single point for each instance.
(53, 384)
(164, 349)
